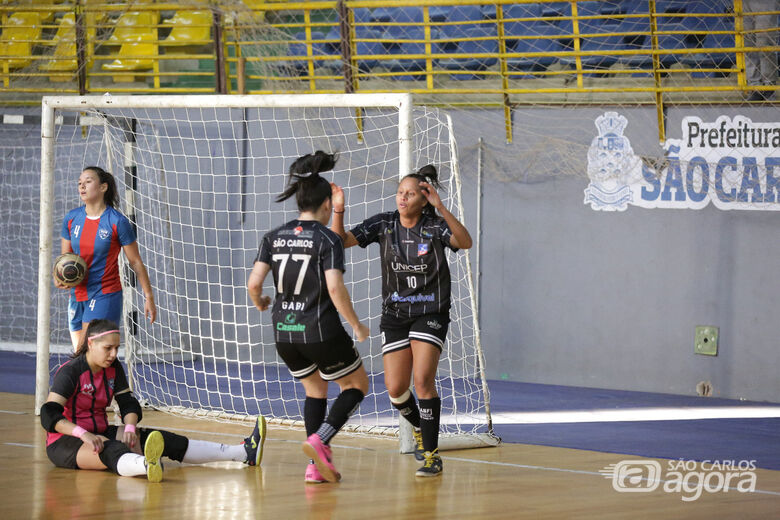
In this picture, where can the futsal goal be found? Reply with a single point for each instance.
(197, 176)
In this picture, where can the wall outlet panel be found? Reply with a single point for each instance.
(706, 341)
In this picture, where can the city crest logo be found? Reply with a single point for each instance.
(731, 163)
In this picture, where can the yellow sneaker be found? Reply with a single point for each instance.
(153, 450)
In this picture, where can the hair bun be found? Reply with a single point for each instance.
(312, 164)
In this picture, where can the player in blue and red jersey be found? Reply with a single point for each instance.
(79, 436)
(97, 232)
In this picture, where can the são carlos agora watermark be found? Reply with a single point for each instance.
(687, 477)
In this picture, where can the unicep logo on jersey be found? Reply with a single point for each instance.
(87, 389)
(415, 298)
(733, 163)
(687, 477)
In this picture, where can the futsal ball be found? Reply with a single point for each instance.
(69, 269)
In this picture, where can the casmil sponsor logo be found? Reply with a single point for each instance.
(289, 324)
(298, 327)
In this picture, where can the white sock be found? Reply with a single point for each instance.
(131, 465)
(199, 452)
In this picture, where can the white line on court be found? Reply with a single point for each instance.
(13, 412)
(684, 413)
(19, 444)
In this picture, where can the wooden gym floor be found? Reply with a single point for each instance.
(511, 481)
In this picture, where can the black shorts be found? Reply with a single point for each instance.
(334, 358)
(62, 452)
(397, 332)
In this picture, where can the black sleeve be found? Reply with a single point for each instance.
(368, 231)
(445, 233)
(332, 253)
(264, 252)
(120, 378)
(66, 380)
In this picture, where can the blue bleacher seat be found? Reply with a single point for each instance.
(725, 22)
(544, 45)
(400, 44)
(549, 14)
(594, 42)
(362, 48)
(638, 23)
(467, 46)
(712, 59)
(469, 17)
(300, 67)
(554, 9)
(405, 15)
(488, 11)
(669, 41)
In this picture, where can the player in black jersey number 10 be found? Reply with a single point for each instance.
(415, 298)
(307, 262)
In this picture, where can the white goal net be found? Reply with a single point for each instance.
(198, 176)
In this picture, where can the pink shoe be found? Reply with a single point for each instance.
(313, 475)
(322, 457)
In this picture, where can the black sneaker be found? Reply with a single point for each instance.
(254, 443)
(419, 451)
(432, 466)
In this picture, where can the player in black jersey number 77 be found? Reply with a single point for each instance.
(307, 262)
(415, 298)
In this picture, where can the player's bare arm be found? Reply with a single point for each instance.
(255, 286)
(337, 225)
(340, 297)
(138, 267)
(461, 238)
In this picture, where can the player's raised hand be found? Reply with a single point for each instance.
(337, 197)
(361, 332)
(429, 192)
(58, 284)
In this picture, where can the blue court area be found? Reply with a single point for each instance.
(549, 415)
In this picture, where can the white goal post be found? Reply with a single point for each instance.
(197, 176)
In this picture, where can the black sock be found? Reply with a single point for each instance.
(430, 416)
(409, 411)
(344, 406)
(314, 413)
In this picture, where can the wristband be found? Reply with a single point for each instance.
(342, 211)
(129, 428)
(78, 431)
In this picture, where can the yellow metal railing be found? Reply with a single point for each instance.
(255, 50)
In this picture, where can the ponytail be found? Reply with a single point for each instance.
(305, 183)
(95, 328)
(427, 174)
(111, 196)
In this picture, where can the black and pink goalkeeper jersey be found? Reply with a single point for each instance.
(87, 395)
